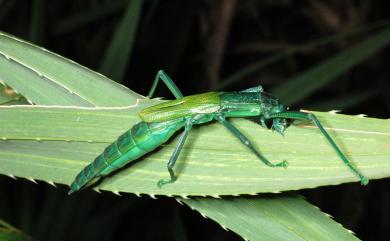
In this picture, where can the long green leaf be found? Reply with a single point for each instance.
(205, 167)
(49, 79)
(303, 85)
(118, 53)
(271, 217)
(89, 16)
(59, 157)
(343, 102)
(261, 64)
(9, 233)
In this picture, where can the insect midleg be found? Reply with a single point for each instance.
(246, 142)
(168, 82)
(311, 117)
(175, 155)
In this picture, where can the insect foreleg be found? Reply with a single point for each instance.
(311, 117)
(168, 82)
(175, 155)
(246, 142)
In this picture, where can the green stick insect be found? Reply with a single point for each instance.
(160, 122)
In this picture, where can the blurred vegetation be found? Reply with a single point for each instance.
(205, 45)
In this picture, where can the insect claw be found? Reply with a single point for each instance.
(363, 180)
(284, 164)
(163, 182)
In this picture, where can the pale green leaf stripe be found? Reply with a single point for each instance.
(211, 161)
(119, 51)
(49, 79)
(294, 90)
(271, 217)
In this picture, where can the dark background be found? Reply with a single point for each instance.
(201, 45)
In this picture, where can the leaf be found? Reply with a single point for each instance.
(37, 21)
(294, 90)
(48, 150)
(49, 79)
(118, 53)
(9, 233)
(271, 217)
(344, 102)
(88, 16)
(58, 142)
(258, 65)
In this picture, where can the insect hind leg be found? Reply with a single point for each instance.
(298, 115)
(161, 75)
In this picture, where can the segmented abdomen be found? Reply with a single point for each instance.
(131, 145)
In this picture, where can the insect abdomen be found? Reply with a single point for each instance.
(131, 145)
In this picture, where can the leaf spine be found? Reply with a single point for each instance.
(51, 183)
(12, 176)
(184, 196)
(226, 229)
(333, 112)
(116, 192)
(32, 180)
(97, 190)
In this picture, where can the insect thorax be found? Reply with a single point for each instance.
(240, 104)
